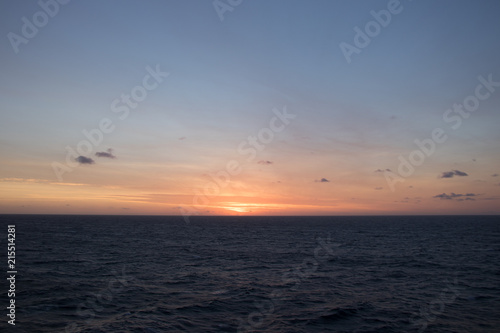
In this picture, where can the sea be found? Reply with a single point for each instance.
(253, 274)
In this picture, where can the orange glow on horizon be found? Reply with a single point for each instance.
(35, 196)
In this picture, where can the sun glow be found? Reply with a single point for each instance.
(240, 207)
(237, 209)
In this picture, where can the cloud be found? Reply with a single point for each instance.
(451, 174)
(460, 173)
(380, 170)
(108, 153)
(448, 174)
(458, 197)
(379, 188)
(494, 175)
(264, 162)
(37, 181)
(84, 160)
(322, 180)
(24, 180)
(182, 138)
(414, 200)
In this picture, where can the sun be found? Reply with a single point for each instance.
(237, 209)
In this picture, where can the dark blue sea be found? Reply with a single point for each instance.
(254, 274)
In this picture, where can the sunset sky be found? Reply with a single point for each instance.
(256, 108)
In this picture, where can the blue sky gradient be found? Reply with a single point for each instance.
(225, 78)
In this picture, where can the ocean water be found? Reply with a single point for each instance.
(255, 274)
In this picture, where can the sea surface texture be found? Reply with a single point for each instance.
(255, 274)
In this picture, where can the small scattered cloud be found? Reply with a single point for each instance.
(456, 196)
(448, 174)
(494, 175)
(182, 138)
(322, 180)
(84, 160)
(108, 153)
(380, 170)
(460, 173)
(378, 188)
(410, 200)
(264, 162)
(451, 174)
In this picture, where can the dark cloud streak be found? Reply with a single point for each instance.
(108, 153)
(84, 160)
(380, 170)
(457, 196)
(451, 174)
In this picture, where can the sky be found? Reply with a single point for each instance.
(239, 107)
